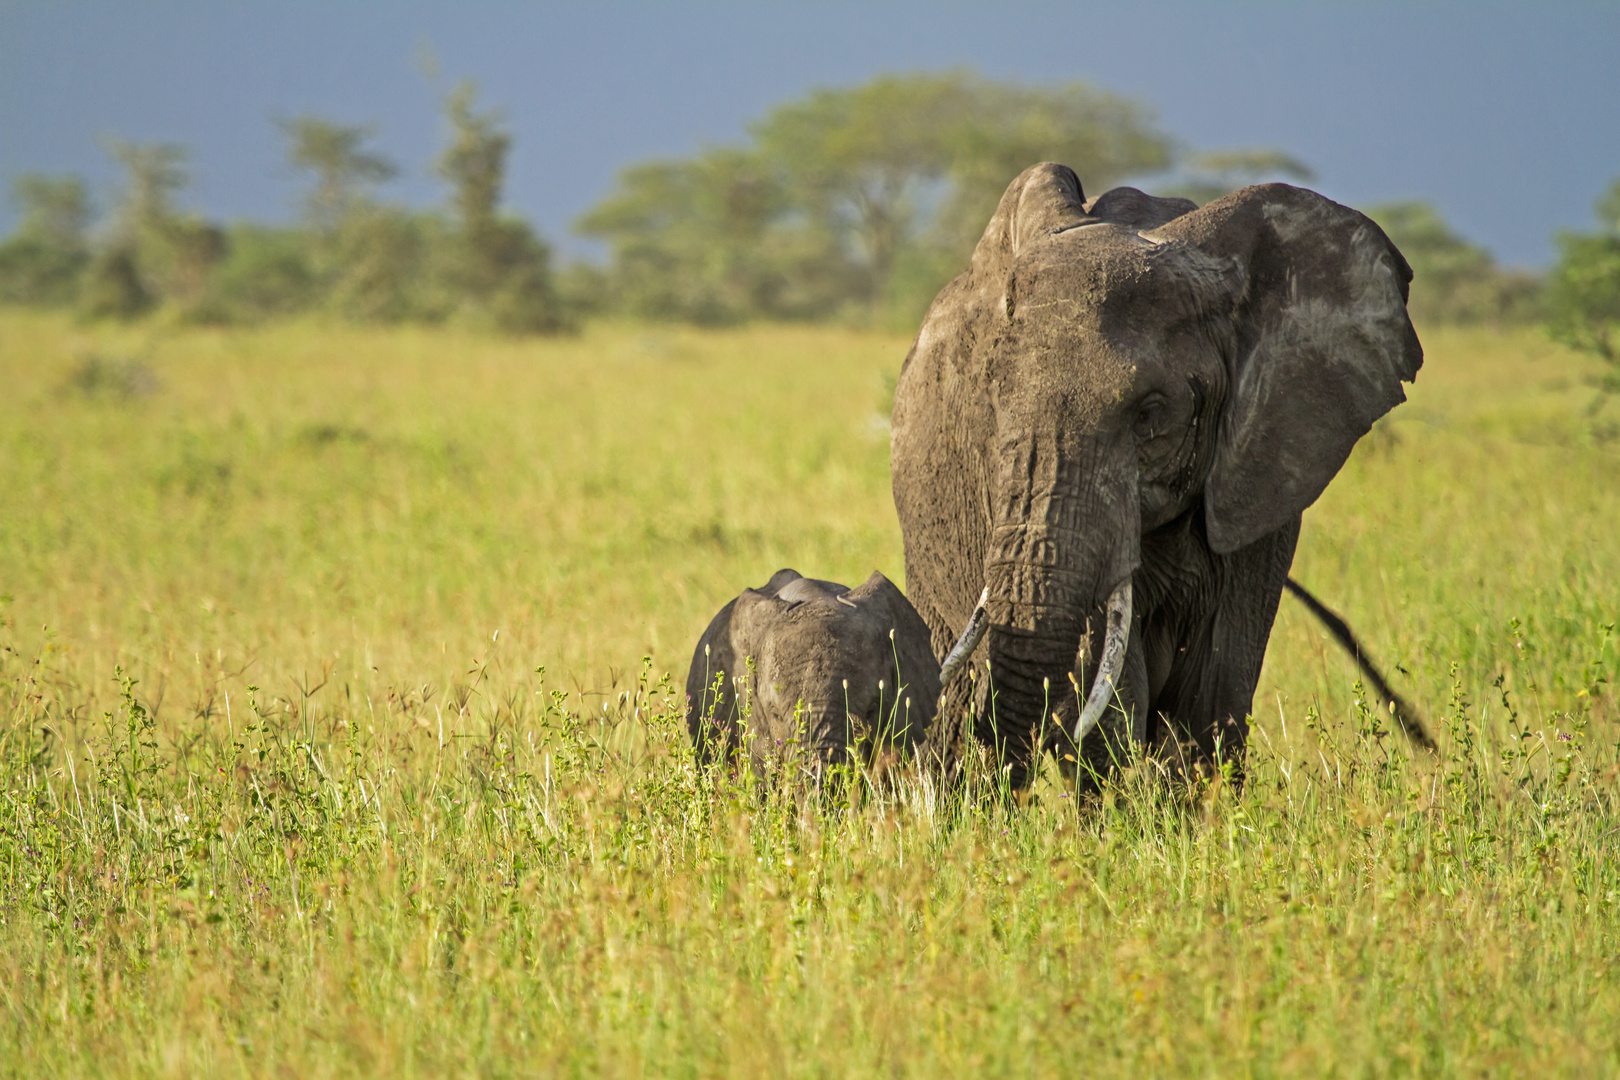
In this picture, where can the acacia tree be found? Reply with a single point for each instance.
(54, 208)
(501, 271)
(867, 197)
(904, 159)
(474, 165)
(154, 252)
(366, 256)
(344, 171)
(1106, 138)
(154, 174)
(710, 240)
(861, 161)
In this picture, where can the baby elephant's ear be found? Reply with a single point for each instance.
(911, 645)
(882, 597)
(779, 581)
(754, 611)
(1322, 345)
(875, 586)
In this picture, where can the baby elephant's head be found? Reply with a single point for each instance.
(812, 670)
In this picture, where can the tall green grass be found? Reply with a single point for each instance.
(327, 746)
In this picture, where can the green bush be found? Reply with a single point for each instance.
(113, 288)
(502, 280)
(41, 264)
(34, 271)
(382, 267)
(1583, 298)
(266, 273)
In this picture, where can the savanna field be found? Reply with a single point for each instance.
(341, 735)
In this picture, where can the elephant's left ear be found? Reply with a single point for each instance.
(1322, 345)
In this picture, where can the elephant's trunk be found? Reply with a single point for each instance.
(1064, 539)
(1038, 609)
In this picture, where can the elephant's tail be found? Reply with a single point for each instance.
(1403, 713)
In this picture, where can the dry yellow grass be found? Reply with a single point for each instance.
(405, 852)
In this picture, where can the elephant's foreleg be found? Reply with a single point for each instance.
(1210, 692)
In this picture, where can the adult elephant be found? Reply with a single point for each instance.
(1115, 418)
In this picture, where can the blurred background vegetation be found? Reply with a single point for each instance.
(351, 254)
(336, 851)
(852, 205)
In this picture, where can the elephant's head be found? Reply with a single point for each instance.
(1118, 365)
(821, 670)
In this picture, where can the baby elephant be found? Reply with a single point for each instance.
(810, 671)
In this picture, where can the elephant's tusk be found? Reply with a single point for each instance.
(1113, 660)
(978, 623)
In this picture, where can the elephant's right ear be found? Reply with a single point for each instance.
(1044, 199)
(1320, 348)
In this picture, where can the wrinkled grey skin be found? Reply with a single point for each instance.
(806, 639)
(1135, 388)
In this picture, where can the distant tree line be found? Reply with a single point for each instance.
(854, 204)
(858, 202)
(351, 254)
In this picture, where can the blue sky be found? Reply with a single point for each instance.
(1507, 116)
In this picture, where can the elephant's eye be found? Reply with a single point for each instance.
(1149, 418)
